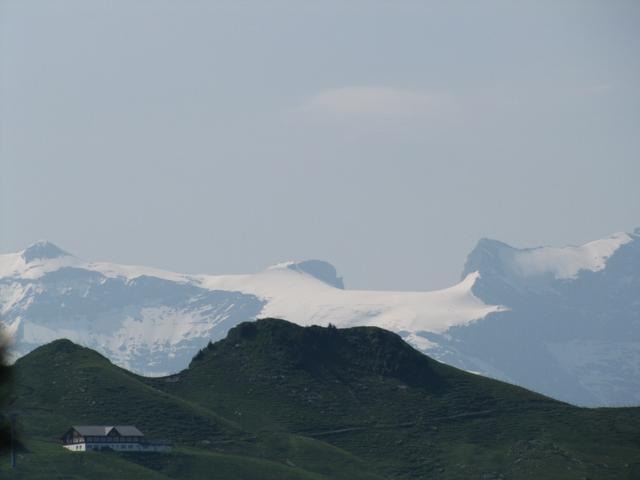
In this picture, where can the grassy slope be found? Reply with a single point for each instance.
(365, 391)
(62, 384)
(46, 461)
(275, 400)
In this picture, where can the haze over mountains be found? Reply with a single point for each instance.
(561, 321)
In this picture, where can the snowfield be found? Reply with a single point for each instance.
(303, 299)
(567, 262)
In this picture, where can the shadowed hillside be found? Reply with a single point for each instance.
(276, 400)
(5, 390)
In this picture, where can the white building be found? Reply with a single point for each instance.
(122, 438)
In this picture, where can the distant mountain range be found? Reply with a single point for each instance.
(561, 321)
(276, 401)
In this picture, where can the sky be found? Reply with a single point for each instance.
(386, 137)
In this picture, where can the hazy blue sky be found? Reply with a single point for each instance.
(386, 137)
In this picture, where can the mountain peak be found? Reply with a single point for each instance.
(560, 263)
(487, 255)
(319, 269)
(324, 350)
(42, 250)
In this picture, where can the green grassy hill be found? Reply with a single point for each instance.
(275, 400)
(63, 384)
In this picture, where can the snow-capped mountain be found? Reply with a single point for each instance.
(153, 321)
(572, 324)
(563, 321)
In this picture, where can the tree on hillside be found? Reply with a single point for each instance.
(5, 383)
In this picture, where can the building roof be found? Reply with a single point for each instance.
(104, 430)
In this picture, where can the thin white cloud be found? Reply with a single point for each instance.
(375, 101)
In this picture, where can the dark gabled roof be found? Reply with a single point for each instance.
(103, 430)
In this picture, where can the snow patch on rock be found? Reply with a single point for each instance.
(567, 262)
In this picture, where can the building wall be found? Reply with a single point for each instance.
(75, 447)
(120, 447)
